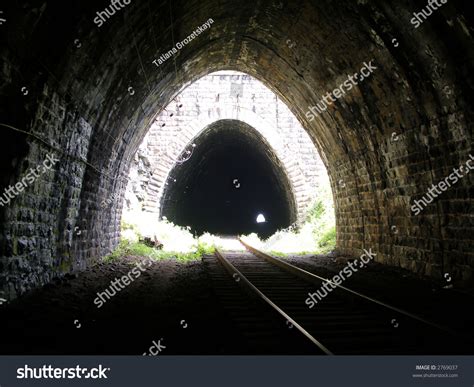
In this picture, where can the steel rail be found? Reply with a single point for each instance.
(233, 270)
(311, 277)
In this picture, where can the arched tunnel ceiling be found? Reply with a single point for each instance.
(121, 54)
(91, 92)
(231, 177)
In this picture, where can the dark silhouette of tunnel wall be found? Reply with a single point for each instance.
(231, 176)
(92, 93)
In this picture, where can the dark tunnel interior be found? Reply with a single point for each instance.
(231, 177)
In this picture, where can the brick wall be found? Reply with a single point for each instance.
(219, 96)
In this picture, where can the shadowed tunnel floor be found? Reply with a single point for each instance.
(175, 302)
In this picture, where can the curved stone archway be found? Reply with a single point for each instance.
(206, 102)
(234, 173)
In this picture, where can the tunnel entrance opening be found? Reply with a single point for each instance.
(231, 178)
(254, 113)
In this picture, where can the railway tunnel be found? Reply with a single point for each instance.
(88, 93)
(232, 177)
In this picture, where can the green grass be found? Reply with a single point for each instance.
(316, 212)
(127, 248)
(327, 242)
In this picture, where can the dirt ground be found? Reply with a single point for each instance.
(175, 302)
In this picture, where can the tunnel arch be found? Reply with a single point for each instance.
(421, 92)
(176, 126)
(255, 171)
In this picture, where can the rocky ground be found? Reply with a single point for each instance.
(175, 302)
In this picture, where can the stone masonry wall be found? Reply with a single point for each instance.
(217, 96)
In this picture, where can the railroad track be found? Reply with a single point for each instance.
(265, 297)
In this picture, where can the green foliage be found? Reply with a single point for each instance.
(317, 235)
(316, 212)
(327, 242)
(128, 226)
(127, 248)
(205, 248)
